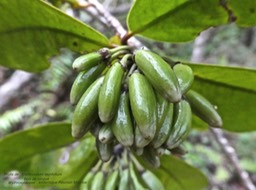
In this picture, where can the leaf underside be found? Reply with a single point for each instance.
(70, 163)
(175, 21)
(232, 90)
(24, 144)
(183, 20)
(176, 174)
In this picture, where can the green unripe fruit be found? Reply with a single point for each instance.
(185, 76)
(122, 125)
(124, 180)
(137, 182)
(86, 110)
(203, 109)
(159, 73)
(83, 81)
(104, 150)
(140, 140)
(181, 125)
(112, 180)
(162, 109)
(143, 105)
(110, 93)
(106, 134)
(164, 130)
(98, 181)
(87, 181)
(90, 60)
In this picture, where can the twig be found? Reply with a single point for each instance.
(230, 153)
(111, 21)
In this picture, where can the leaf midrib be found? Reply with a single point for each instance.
(40, 28)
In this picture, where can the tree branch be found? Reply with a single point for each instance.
(111, 21)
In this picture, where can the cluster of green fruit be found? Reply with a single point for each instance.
(135, 99)
(125, 173)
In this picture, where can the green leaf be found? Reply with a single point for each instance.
(244, 12)
(176, 174)
(33, 31)
(174, 21)
(70, 165)
(23, 144)
(232, 90)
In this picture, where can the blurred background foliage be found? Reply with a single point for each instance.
(46, 96)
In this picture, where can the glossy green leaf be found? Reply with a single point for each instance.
(243, 11)
(232, 90)
(33, 31)
(23, 144)
(70, 165)
(177, 174)
(174, 21)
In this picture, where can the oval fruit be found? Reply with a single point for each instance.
(86, 110)
(181, 125)
(83, 81)
(159, 73)
(110, 93)
(203, 109)
(122, 125)
(185, 76)
(143, 105)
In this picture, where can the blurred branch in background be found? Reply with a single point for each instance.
(12, 117)
(9, 89)
(231, 155)
(248, 39)
(198, 55)
(28, 99)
